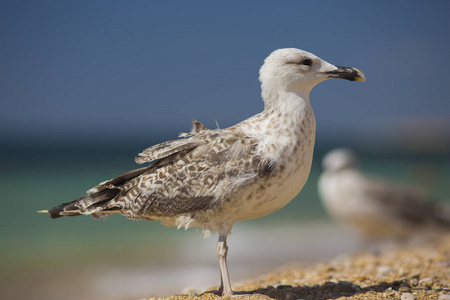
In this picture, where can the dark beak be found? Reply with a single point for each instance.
(351, 74)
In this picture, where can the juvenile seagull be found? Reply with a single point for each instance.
(213, 178)
(377, 209)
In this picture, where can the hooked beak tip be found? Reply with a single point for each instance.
(352, 74)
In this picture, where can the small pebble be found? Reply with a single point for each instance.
(404, 289)
(407, 296)
(384, 271)
(444, 297)
(428, 282)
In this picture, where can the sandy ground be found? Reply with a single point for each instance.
(406, 273)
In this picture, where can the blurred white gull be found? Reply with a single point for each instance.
(214, 178)
(377, 209)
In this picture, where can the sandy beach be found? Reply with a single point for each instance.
(407, 272)
(80, 258)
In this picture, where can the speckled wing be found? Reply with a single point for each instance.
(213, 165)
(167, 148)
(184, 176)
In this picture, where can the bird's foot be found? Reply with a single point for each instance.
(247, 295)
(240, 295)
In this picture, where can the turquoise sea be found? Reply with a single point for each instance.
(80, 258)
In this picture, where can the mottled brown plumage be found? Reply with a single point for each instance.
(182, 179)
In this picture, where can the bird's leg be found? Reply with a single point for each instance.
(222, 249)
(221, 282)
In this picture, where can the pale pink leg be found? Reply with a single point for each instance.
(225, 283)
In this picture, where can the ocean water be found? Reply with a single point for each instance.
(81, 258)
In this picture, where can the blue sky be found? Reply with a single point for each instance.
(98, 70)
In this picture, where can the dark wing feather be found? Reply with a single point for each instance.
(408, 204)
(101, 193)
(99, 197)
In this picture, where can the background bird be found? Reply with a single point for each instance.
(377, 208)
(213, 178)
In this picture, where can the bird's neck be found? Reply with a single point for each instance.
(289, 103)
(286, 125)
(288, 112)
(275, 93)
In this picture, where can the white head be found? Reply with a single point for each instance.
(339, 159)
(295, 70)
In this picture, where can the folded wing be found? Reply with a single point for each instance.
(185, 175)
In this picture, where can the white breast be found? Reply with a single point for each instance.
(290, 146)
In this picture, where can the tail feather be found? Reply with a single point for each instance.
(98, 198)
(55, 211)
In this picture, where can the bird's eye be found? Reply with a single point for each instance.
(306, 62)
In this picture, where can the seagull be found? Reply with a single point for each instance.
(378, 209)
(212, 178)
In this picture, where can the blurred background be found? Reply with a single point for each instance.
(86, 85)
